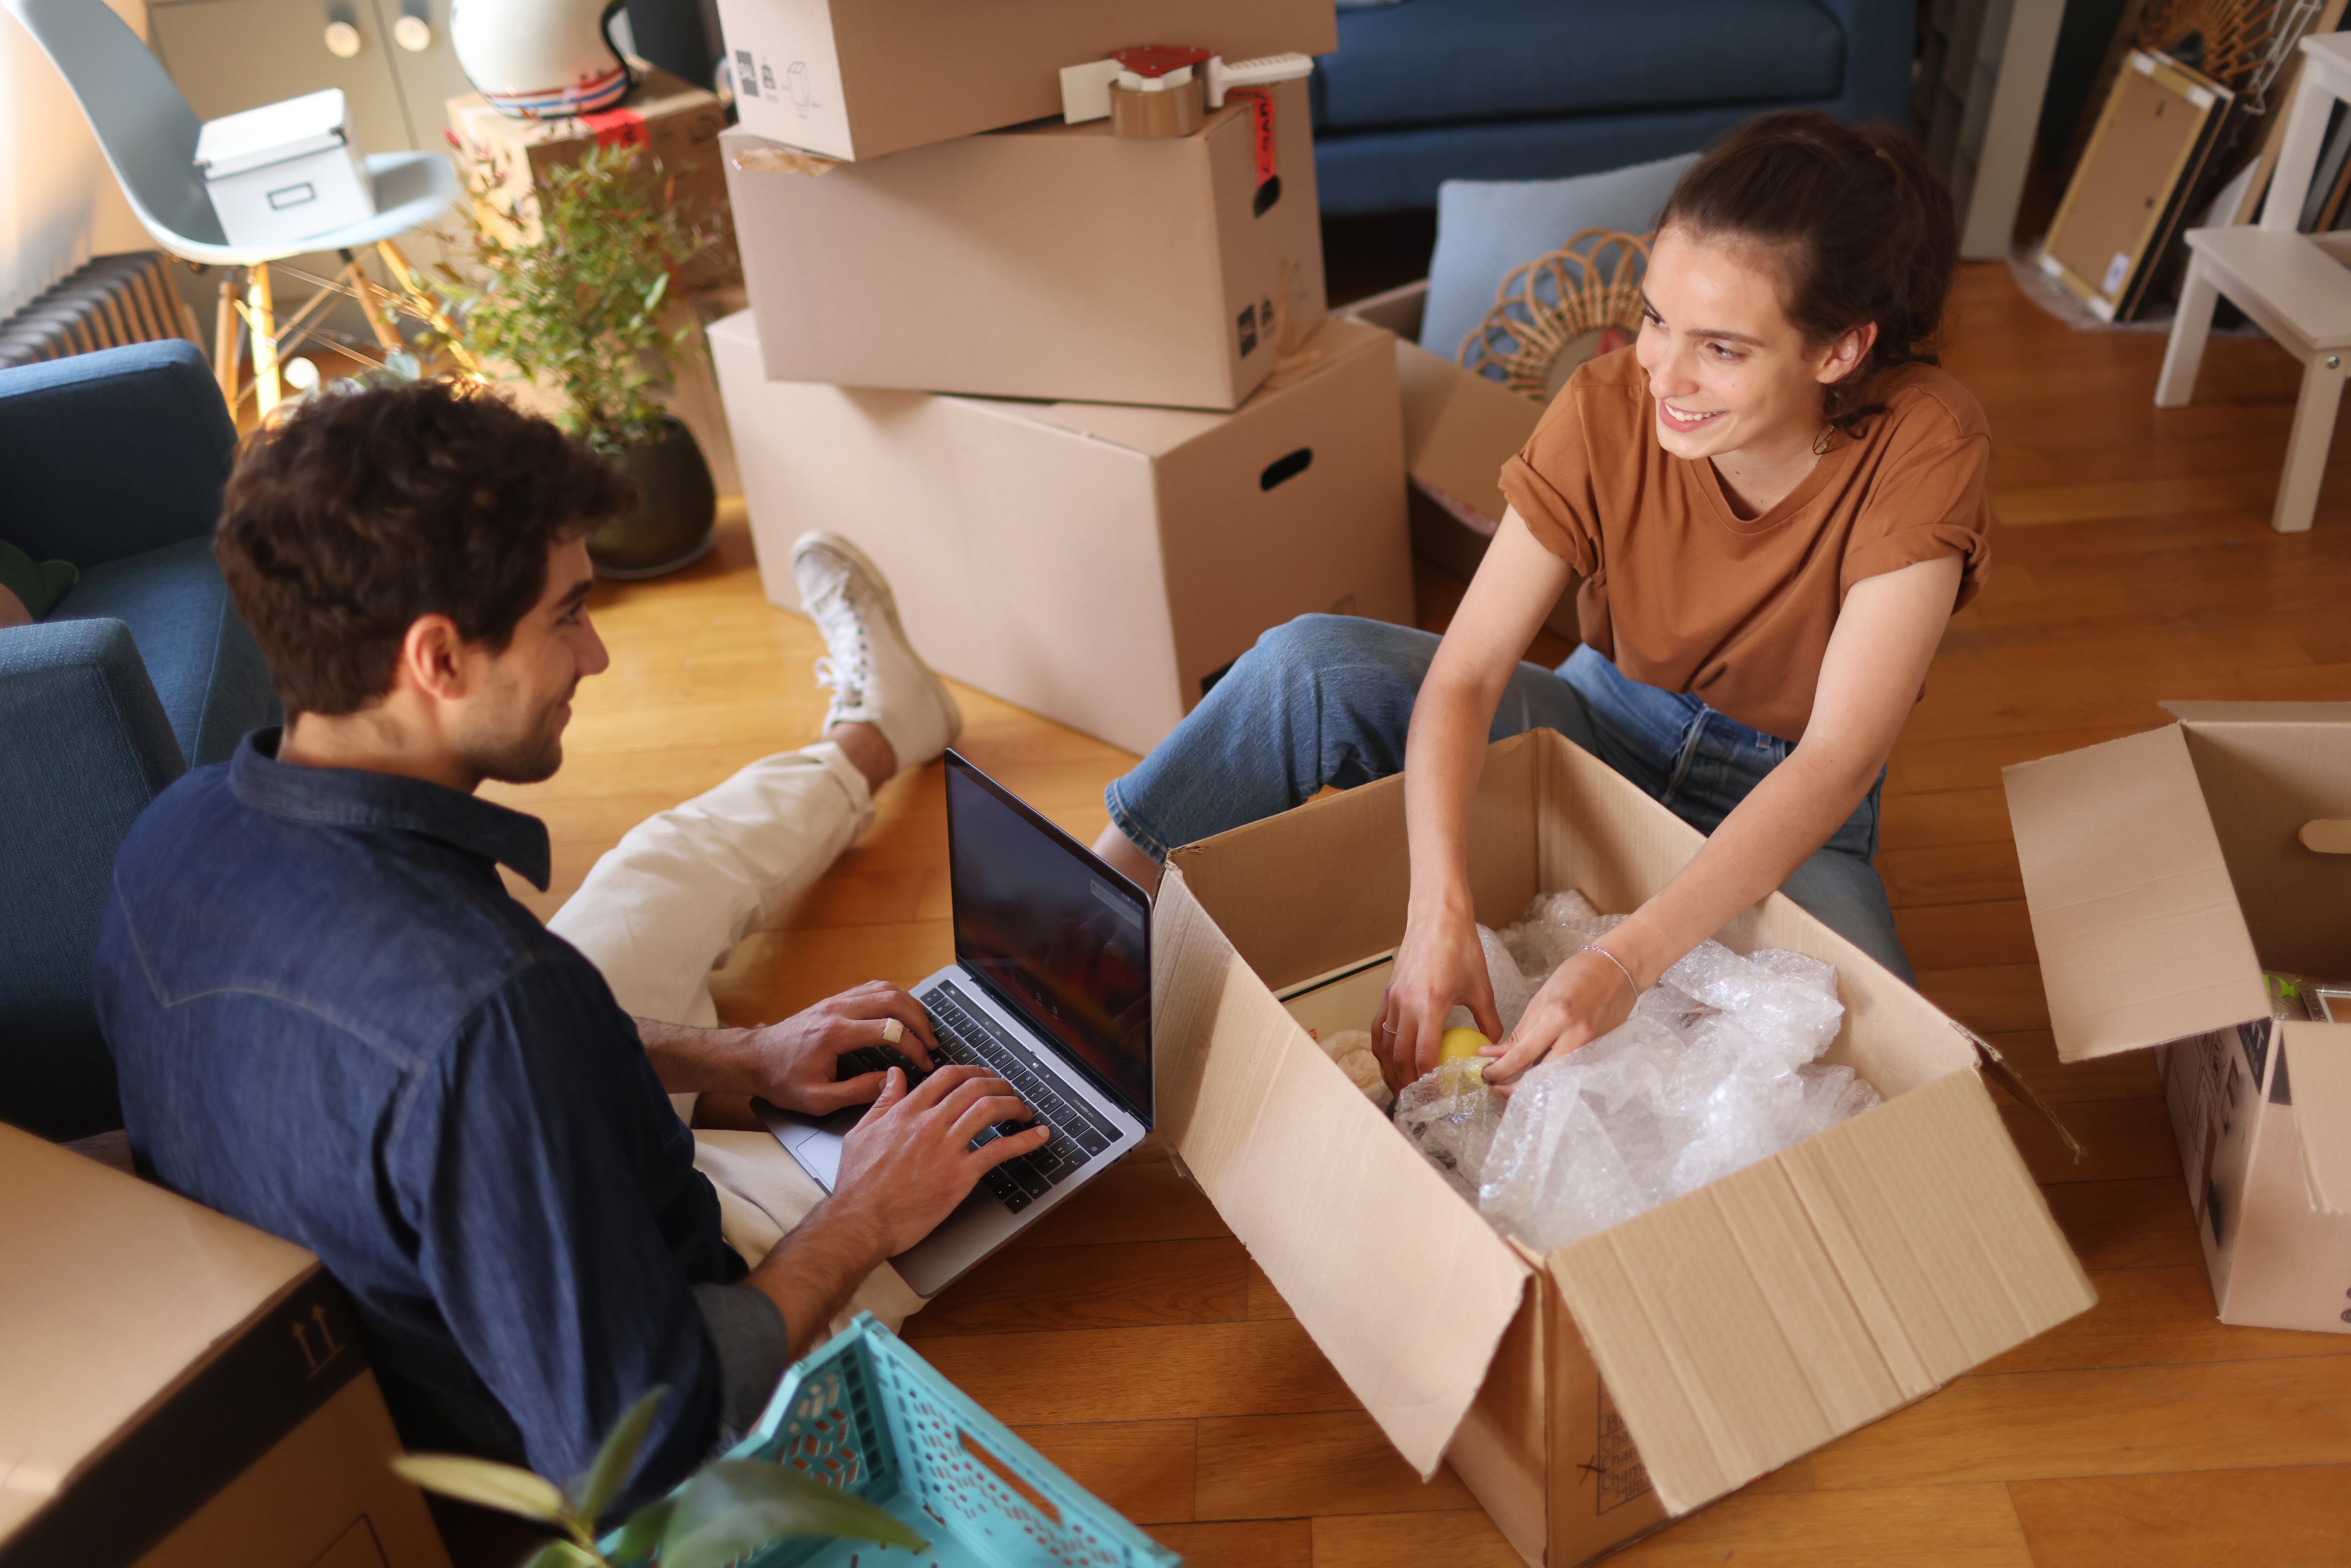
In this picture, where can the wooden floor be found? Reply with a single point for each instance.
(1131, 1339)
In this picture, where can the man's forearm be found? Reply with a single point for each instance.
(811, 1273)
(690, 1060)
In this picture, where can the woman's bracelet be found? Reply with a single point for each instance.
(1636, 984)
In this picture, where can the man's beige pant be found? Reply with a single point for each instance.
(667, 906)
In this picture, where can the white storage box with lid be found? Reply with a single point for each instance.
(286, 171)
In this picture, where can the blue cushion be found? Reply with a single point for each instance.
(1433, 62)
(112, 454)
(1485, 227)
(204, 663)
(87, 747)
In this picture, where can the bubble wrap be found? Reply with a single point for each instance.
(1715, 1070)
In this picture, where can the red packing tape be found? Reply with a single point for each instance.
(618, 127)
(1261, 104)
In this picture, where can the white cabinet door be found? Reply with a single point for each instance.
(230, 54)
(429, 78)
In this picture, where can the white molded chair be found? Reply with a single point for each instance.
(2296, 286)
(148, 133)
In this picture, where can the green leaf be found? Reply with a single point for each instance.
(564, 1555)
(507, 1487)
(643, 1533)
(606, 1474)
(736, 1506)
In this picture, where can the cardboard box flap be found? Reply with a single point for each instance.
(2317, 1068)
(1401, 1284)
(1459, 431)
(89, 1344)
(1748, 1322)
(2136, 921)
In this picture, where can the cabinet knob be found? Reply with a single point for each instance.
(343, 40)
(413, 34)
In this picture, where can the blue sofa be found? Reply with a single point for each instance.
(1427, 90)
(114, 461)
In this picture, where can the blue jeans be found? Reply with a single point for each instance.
(1327, 699)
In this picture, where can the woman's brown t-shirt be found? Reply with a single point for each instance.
(1686, 596)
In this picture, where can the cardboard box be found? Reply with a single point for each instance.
(2164, 874)
(1097, 563)
(182, 1390)
(676, 122)
(1460, 428)
(1586, 1396)
(1054, 261)
(857, 78)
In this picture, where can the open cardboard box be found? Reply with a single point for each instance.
(2164, 873)
(857, 78)
(1098, 563)
(180, 1390)
(1050, 261)
(1460, 428)
(1585, 1396)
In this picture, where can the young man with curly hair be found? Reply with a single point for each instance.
(331, 1020)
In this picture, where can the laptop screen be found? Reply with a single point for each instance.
(1058, 936)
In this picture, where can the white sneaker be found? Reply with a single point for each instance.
(874, 674)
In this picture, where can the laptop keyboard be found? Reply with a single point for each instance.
(969, 1035)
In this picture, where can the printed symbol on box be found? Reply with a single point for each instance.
(797, 79)
(1248, 330)
(317, 1356)
(1618, 1466)
(768, 78)
(2116, 270)
(747, 74)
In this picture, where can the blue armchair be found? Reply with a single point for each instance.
(1427, 90)
(114, 461)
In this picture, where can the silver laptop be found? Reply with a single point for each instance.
(1051, 990)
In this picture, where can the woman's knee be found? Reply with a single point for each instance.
(1316, 650)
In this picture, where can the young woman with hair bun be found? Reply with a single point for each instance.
(1772, 502)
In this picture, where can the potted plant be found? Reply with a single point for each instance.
(725, 1512)
(572, 297)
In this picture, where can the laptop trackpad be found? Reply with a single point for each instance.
(815, 1143)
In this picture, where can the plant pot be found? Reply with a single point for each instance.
(671, 527)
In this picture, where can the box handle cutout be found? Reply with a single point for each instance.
(1009, 1477)
(287, 197)
(2327, 836)
(1289, 468)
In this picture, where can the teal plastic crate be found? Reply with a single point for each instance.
(864, 1412)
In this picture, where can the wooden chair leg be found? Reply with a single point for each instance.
(263, 317)
(228, 366)
(387, 336)
(2305, 450)
(427, 304)
(2174, 387)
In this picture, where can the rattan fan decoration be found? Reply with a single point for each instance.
(2232, 35)
(1557, 310)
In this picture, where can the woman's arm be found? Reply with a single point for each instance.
(1439, 964)
(1885, 638)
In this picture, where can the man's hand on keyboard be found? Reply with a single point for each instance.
(799, 1061)
(909, 1162)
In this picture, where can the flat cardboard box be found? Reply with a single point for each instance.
(1097, 563)
(1054, 261)
(676, 122)
(1586, 1396)
(857, 78)
(1460, 428)
(2164, 874)
(182, 1390)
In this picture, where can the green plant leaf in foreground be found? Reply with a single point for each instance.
(564, 1555)
(606, 1474)
(487, 1483)
(736, 1506)
(638, 1538)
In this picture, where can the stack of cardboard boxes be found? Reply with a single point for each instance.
(1075, 391)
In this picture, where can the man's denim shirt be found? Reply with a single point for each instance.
(331, 1020)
